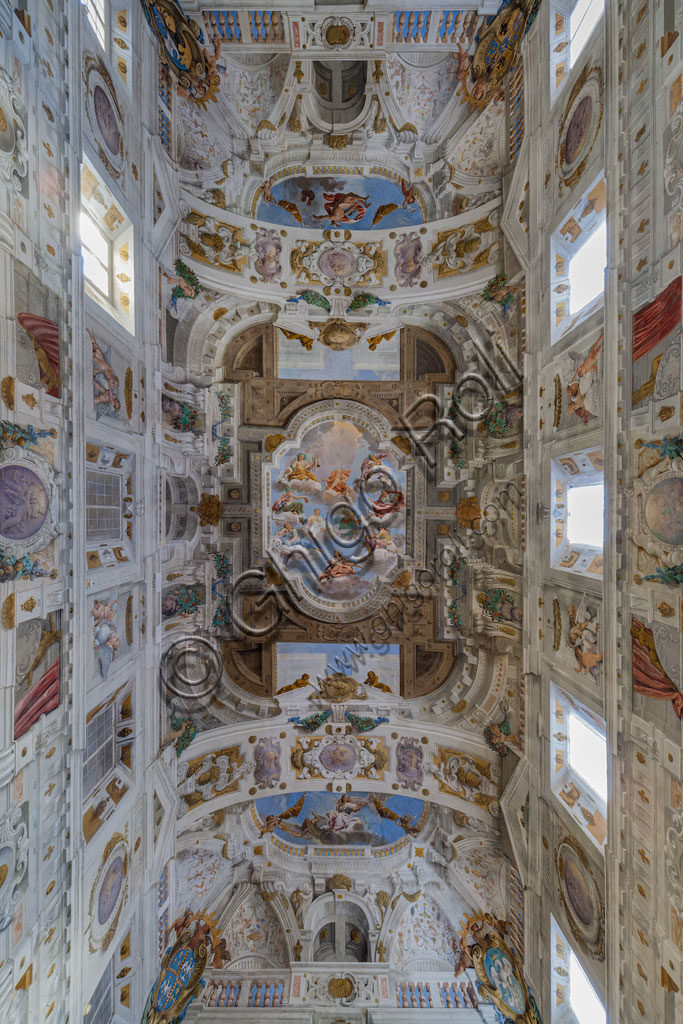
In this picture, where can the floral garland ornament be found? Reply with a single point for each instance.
(186, 284)
(498, 290)
(180, 41)
(500, 735)
(498, 968)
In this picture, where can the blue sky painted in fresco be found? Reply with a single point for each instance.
(376, 831)
(296, 190)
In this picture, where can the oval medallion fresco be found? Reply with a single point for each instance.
(663, 511)
(580, 897)
(577, 130)
(347, 201)
(107, 120)
(24, 502)
(110, 889)
(580, 125)
(577, 891)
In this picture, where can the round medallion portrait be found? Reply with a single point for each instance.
(337, 262)
(24, 502)
(578, 891)
(107, 120)
(663, 511)
(578, 129)
(338, 757)
(110, 890)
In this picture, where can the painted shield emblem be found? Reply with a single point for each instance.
(501, 974)
(175, 979)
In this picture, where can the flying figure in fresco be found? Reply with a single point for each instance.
(402, 820)
(409, 199)
(290, 502)
(583, 639)
(274, 821)
(343, 207)
(286, 204)
(389, 501)
(338, 567)
(583, 386)
(104, 381)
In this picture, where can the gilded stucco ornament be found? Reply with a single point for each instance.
(13, 147)
(13, 862)
(339, 263)
(339, 757)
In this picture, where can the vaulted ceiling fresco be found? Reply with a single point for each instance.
(340, 529)
(336, 275)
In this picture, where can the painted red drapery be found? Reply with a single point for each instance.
(37, 701)
(653, 322)
(649, 678)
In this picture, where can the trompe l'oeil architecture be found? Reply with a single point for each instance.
(341, 512)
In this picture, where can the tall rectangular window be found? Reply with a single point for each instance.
(587, 270)
(583, 998)
(102, 506)
(102, 1000)
(585, 512)
(582, 21)
(96, 249)
(99, 749)
(588, 754)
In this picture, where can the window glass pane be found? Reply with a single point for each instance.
(96, 272)
(582, 21)
(95, 12)
(585, 510)
(93, 239)
(588, 754)
(101, 1001)
(587, 270)
(583, 998)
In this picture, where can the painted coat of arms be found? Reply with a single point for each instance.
(498, 969)
(178, 983)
